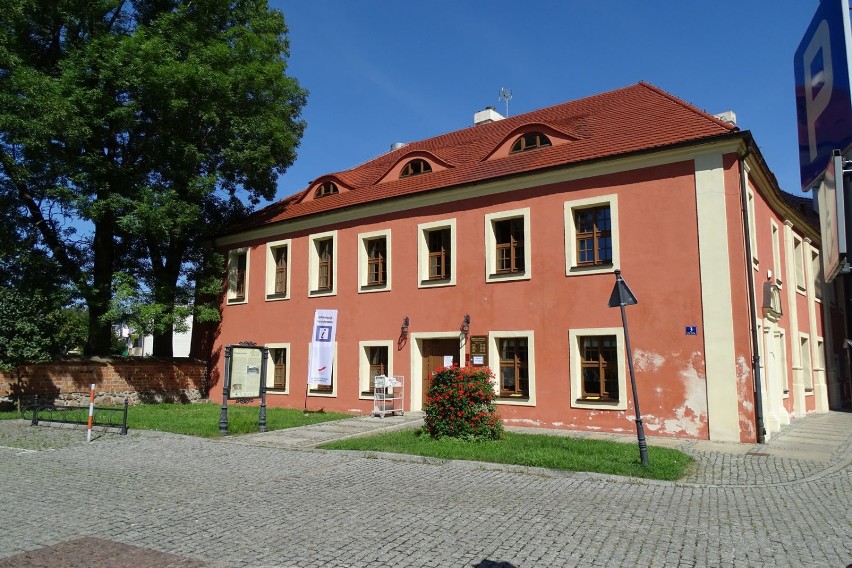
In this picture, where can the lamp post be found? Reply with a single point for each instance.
(622, 296)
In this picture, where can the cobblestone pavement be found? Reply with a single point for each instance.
(154, 499)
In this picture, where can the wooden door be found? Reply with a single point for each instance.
(434, 351)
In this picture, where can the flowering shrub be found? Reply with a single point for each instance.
(460, 404)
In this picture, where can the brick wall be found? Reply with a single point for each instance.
(139, 380)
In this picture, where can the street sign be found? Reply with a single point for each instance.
(823, 93)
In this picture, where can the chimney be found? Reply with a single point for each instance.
(728, 116)
(486, 116)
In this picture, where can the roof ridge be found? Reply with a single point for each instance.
(688, 106)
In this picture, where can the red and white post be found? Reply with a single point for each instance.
(91, 412)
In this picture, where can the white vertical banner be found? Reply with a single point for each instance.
(322, 347)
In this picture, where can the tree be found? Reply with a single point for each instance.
(156, 122)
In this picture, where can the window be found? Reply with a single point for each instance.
(807, 369)
(600, 367)
(435, 251)
(238, 276)
(510, 245)
(776, 254)
(798, 260)
(439, 254)
(514, 369)
(326, 189)
(594, 236)
(277, 370)
(751, 231)
(513, 351)
(591, 235)
(415, 168)
(597, 372)
(322, 264)
(277, 273)
(530, 141)
(374, 261)
(507, 245)
(816, 274)
(374, 361)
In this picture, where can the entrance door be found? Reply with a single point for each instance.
(435, 351)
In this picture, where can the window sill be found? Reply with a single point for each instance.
(319, 293)
(367, 288)
(235, 301)
(327, 394)
(514, 400)
(277, 391)
(599, 404)
(273, 297)
(508, 276)
(579, 270)
(437, 283)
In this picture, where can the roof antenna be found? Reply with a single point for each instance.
(505, 95)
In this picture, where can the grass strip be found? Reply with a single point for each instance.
(536, 450)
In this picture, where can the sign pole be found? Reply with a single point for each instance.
(622, 296)
(262, 420)
(226, 391)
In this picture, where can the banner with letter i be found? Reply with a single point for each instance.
(322, 347)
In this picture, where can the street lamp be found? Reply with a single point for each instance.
(622, 296)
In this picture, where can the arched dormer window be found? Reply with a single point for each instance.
(415, 168)
(530, 141)
(326, 189)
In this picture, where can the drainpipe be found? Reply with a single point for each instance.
(752, 303)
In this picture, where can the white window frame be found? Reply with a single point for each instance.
(785, 374)
(363, 261)
(233, 255)
(491, 219)
(271, 250)
(816, 274)
(575, 360)
(494, 359)
(334, 374)
(364, 364)
(569, 207)
(776, 253)
(270, 369)
(752, 231)
(807, 363)
(799, 263)
(423, 230)
(313, 264)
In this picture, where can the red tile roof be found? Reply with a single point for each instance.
(635, 118)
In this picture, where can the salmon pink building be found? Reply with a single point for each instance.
(497, 245)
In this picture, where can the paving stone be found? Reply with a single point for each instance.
(187, 502)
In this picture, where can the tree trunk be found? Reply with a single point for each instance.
(165, 293)
(98, 300)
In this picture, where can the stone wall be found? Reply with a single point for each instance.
(137, 379)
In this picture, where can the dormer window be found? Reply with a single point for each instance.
(326, 189)
(415, 168)
(530, 141)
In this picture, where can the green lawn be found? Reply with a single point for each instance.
(538, 450)
(202, 419)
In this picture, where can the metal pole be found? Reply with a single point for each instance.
(262, 421)
(124, 420)
(226, 391)
(640, 430)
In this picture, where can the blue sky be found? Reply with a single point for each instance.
(380, 72)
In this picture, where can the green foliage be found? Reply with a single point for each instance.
(26, 326)
(460, 404)
(155, 124)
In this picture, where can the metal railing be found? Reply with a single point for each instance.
(48, 411)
